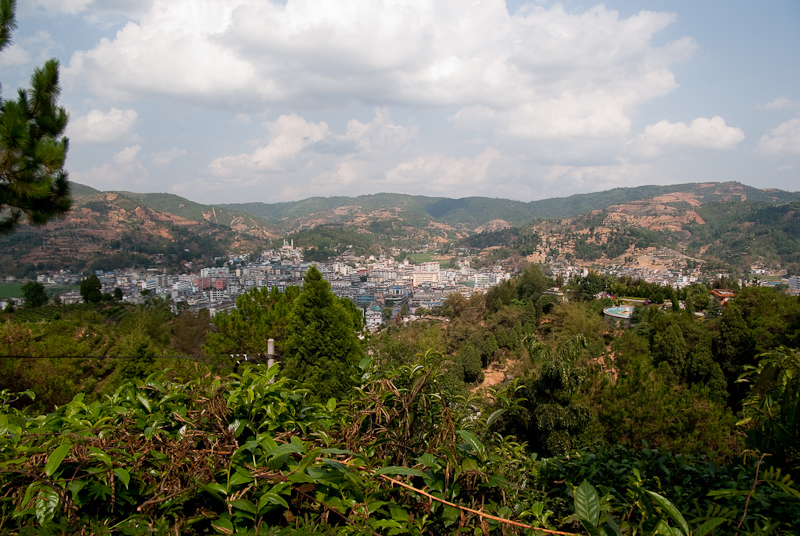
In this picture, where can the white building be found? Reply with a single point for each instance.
(794, 282)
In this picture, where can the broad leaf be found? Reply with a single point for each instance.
(587, 503)
(708, 526)
(396, 470)
(46, 504)
(670, 509)
(123, 475)
(55, 458)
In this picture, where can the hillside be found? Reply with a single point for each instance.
(678, 230)
(108, 230)
(474, 213)
(702, 221)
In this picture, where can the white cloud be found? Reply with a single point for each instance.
(783, 139)
(127, 155)
(443, 173)
(780, 103)
(542, 72)
(299, 158)
(380, 134)
(289, 136)
(124, 172)
(165, 157)
(703, 133)
(242, 119)
(26, 50)
(102, 127)
(171, 52)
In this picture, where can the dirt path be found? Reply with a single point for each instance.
(494, 375)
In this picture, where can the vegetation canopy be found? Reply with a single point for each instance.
(33, 183)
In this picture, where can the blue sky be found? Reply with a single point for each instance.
(250, 100)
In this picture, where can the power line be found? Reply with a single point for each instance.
(248, 357)
(224, 360)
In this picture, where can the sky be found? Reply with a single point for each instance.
(231, 101)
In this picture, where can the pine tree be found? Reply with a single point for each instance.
(701, 368)
(260, 315)
(33, 183)
(670, 348)
(322, 347)
(470, 359)
(489, 348)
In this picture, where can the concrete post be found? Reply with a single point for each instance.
(270, 352)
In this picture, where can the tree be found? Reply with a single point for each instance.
(772, 409)
(546, 412)
(189, 331)
(532, 283)
(470, 359)
(670, 348)
(733, 349)
(590, 286)
(489, 349)
(33, 183)
(701, 368)
(118, 294)
(322, 347)
(576, 318)
(261, 314)
(34, 293)
(90, 289)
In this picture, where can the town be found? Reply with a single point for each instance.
(380, 286)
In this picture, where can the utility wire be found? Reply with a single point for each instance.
(233, 360)
(247, 357)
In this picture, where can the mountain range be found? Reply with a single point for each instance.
(105, 229)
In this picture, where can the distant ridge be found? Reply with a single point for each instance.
(472, 212)
(114, 229)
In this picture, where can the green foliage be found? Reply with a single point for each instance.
(322, 346)
(250, 454)
(570, 319)
(34, 293)
(90, 289)
(772, 409)
(701, 368)
(736, 234)
(470, 359)
(650, 491)
(631, 351)
(33, 183)
(543, 410)
(260, 314)
(590, 286)
(644, 406)
(59, 351)
(670, 349)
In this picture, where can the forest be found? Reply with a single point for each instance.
(118, 419)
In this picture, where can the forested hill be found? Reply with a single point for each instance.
(108, 230)
(475, 212)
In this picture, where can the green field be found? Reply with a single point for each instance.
(10, 290)
(14, 290)
(60, 289)
(419, 258)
